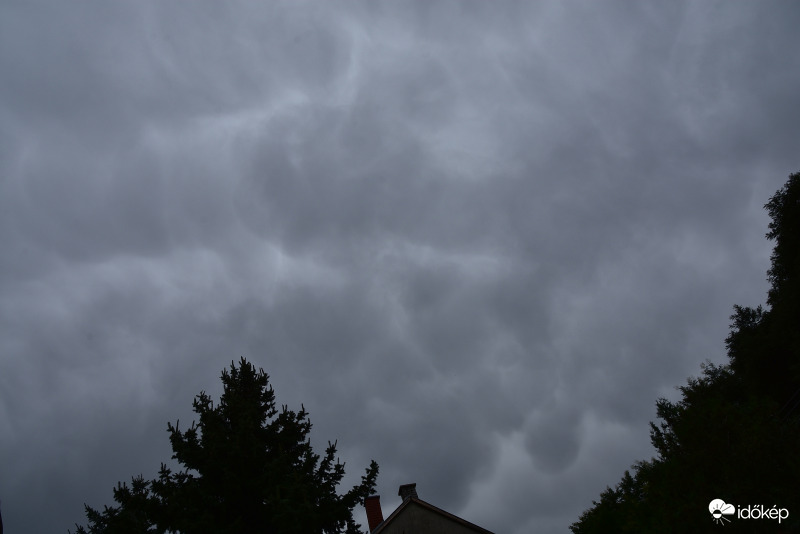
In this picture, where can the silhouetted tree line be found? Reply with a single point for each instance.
(247, 467)
(735, 432)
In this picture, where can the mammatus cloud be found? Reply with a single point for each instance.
(477, 243)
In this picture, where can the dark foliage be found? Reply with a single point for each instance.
(735, 432)
(247, 467)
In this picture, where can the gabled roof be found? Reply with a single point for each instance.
(419, 502)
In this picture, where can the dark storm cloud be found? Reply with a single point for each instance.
(477, 243)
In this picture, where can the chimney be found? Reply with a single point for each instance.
(408, 490)
(374, 513)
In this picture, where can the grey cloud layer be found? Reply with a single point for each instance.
(476, 242)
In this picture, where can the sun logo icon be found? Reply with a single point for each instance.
(719, 509)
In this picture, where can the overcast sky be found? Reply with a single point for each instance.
(477, 240)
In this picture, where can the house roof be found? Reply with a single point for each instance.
(417, 501)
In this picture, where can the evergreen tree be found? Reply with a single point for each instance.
(247, 467)
(134, 515)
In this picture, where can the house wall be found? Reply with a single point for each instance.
(418, 520)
